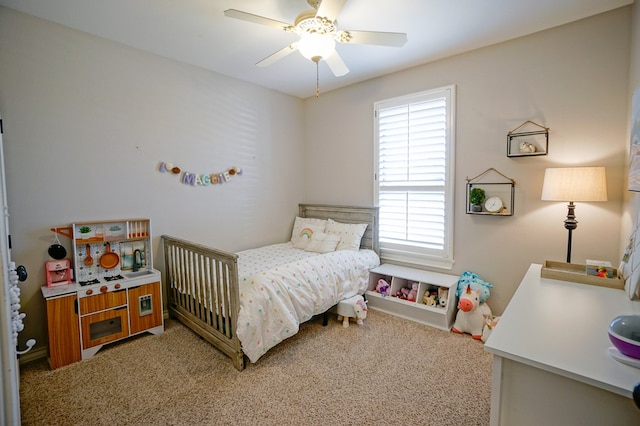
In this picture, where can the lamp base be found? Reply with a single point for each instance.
(570, 224)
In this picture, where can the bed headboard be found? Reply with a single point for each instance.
(347, 214)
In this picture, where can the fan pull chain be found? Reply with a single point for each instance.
(317, 79)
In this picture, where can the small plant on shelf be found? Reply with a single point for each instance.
(84, 232)
(476, 198)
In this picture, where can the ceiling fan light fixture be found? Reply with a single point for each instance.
(313, 46)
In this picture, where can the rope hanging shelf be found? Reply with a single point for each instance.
(522, 143)
(490, 193)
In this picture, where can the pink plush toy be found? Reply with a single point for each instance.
(413, 293)
(403, 293)
(383, 287)
(471, 314)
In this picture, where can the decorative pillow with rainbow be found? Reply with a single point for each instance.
(350, 234)
(322, 243)
(303, 230)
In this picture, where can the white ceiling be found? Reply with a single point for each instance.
(198, 33)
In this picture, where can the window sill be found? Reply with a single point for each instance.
(407, 258)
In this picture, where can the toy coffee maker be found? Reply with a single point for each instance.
(58, 272)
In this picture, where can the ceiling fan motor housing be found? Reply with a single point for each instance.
(307, 23)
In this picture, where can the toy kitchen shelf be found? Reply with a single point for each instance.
(116, 293)
(99, 245)
(400, 277)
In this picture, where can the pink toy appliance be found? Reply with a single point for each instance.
(58, 272)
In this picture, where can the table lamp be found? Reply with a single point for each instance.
(574, 184)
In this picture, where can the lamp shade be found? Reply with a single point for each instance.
(575, 184)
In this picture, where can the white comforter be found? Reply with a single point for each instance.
(282, 287)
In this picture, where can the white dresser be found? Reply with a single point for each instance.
(550, 360)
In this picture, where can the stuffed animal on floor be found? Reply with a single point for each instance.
(471, 314)
(353, 307)
(472, 279)
(489, 325)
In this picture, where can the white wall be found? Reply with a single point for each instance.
(75, 109)
(573, 79)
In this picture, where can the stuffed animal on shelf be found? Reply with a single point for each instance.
(413, 293)
(471, 314)
(353, 307)
(443, 296)
(383, 287)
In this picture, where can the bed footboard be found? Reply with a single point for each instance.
(202, 290)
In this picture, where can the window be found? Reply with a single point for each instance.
(414, 177)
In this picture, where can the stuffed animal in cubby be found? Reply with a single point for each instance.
(471, 314)
(383, 287)
(443, 296)
(402, 293)
(429, 298)
(413, 293)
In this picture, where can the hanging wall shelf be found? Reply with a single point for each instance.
(490, 193)
(521, 143)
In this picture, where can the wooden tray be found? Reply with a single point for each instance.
(577, 273)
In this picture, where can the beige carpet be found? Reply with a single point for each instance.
(387, 371)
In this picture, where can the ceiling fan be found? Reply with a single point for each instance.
(318, 33)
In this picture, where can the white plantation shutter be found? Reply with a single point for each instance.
(414, 177)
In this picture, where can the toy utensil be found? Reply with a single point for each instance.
(88, 261)
(109, 259)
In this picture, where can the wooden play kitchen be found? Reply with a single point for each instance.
(116, 292)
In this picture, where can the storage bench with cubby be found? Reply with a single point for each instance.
(437, 315)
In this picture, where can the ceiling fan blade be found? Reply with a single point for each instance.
(256, 19)
(274, 57)
(330, 9)
(373, 37)
(337, 65)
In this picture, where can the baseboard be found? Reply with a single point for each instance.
(33, 355)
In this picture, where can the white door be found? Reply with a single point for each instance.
(9, 391)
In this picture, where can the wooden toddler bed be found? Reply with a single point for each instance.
(204, 285)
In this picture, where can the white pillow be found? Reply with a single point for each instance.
(322, 243)
(303, 230)
(350, 234)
